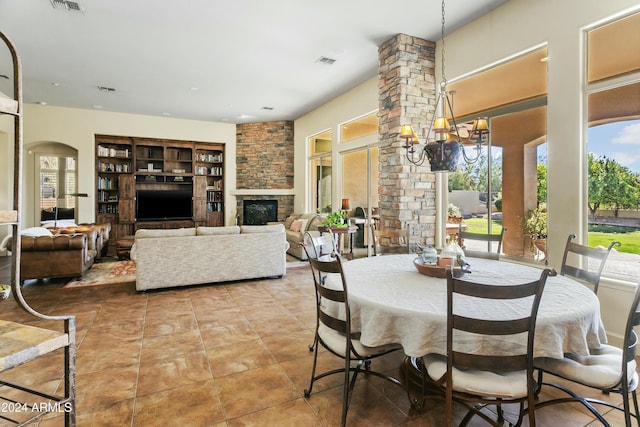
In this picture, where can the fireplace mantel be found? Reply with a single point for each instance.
(263, 192)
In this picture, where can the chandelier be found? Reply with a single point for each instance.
(443, 145)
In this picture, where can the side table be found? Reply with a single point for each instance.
(337, 235)
(123, 246)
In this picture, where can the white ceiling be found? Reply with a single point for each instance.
(208, 59)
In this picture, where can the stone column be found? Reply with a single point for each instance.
(406, 93)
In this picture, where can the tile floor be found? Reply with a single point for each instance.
(218, 355)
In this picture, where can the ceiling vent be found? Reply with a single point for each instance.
(325, 60)
(70, 6)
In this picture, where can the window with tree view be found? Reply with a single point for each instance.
(613, 144)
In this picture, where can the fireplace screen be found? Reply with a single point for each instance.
(259, 212)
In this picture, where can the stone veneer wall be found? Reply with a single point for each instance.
(264, 161)
(406, 93)
(264, 155)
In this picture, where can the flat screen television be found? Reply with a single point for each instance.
(160, 205)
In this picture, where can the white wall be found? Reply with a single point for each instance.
(358, 101)
(77, 128)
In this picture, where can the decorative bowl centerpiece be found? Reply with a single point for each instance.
(5, 291)
(439, 269)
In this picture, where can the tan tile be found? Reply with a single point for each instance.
(118, 414)
(94, 357)
(169, 310)
(234, 358)
(368, 407)
(122, 331)
(177, 324)
(172, 371)
(194, 404)
(161, 346)
(289, 414)
(254, 390)
(104, 388)
(218, 317)
(232, 332)
(263, 311)
(279, 325)
(291, 345)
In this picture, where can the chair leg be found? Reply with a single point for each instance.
(307, 392)
(346, 392)
(635, 406)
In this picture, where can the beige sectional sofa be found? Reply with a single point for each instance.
(189, 256)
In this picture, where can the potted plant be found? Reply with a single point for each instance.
(535, 227)
(454, 214)
(335, 220)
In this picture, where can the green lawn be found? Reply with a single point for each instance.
(628, 237)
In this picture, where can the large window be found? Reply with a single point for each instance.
(507, 181)
(613, 143)
(57, 187)
(320, 170)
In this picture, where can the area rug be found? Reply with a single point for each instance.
(106, 273)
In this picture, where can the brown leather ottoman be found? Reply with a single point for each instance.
(123, 246)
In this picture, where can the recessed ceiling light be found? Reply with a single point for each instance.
(97, 107)
(70, 6)
(55, 84)
(166, 114)
(42, 102)
(325, 60)
(243, 116)
(194, 89)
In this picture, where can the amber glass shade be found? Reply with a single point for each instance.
(406, 132)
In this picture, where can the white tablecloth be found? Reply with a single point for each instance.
(392, 303)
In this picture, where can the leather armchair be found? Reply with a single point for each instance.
(63, 255)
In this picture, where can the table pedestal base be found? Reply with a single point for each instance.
(411, 377)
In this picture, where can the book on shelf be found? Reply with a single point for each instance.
(113, 152)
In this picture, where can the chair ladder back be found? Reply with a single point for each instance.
(598, 255)
(514, 326)
(484, 237)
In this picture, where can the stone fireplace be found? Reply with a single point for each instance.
(264, 171)
(259, 212)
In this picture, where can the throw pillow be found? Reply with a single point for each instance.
(296, 225)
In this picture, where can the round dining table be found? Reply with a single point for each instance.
(391, 302)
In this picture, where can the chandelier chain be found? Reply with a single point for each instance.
(444, 78)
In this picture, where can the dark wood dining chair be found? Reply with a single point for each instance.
(482, 374)
(335, 333)
(492, 242)
(588, 271)
(608, 369)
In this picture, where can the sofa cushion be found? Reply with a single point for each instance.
(174, 232)
(314, 223)
(214, 231)
(256, 229)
